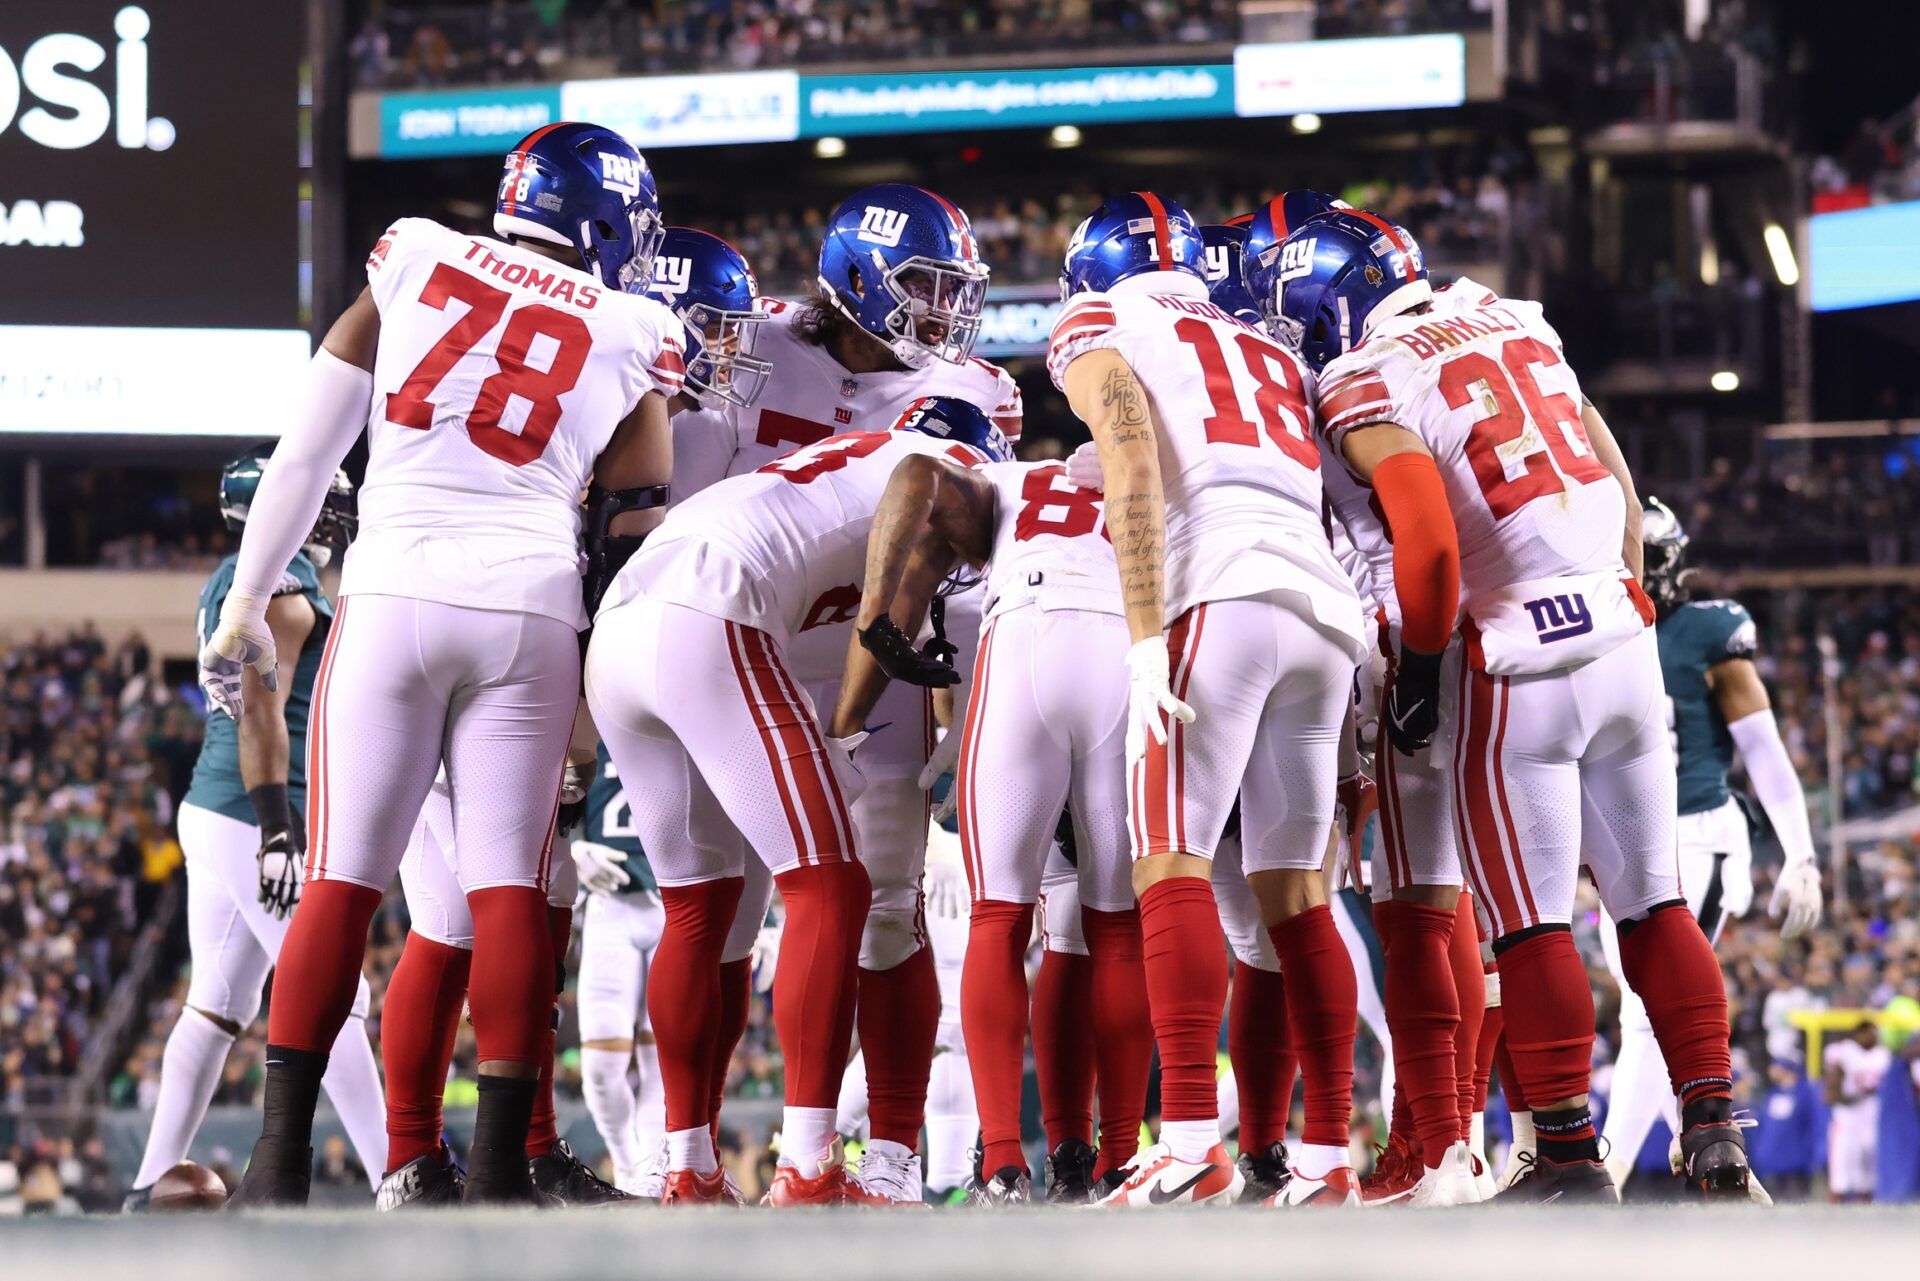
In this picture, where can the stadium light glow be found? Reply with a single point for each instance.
(1064, 136)
(1709, 263)
(830, 148)
(1724, 380)
(1780, 249)
(1306, 122)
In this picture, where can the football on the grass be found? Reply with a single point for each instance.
(189, 1186)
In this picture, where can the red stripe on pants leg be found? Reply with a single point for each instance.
(317, 749)
(782, 783)
(1177, 732)
(963, 778)
(817, 788)
(1516, 862)
(1477, 808)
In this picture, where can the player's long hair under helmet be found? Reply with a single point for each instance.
(333, 529)
(583, 187)
(1333, 278)
(1129, 234)
(901, 263)
(1664, 543)
(707, 283)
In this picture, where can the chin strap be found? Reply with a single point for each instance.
(608, 553)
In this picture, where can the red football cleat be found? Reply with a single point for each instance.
(686, 1187)
(1394, 1175)
(791, 1188)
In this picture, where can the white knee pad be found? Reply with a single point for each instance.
(209, 992)
(892, 818)
(893, 933)
(1240, 911)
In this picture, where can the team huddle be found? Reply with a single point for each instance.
(1341, 541)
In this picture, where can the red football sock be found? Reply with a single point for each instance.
(419, 1020)
(683, 994)
(736, 993)
(1470, 986)
(1259, 1043)
(1509, 1079)
(899, 1020)
(1423, 1014)
(1122, 1031)
(1399, 1115)
(544, 1129)
(1323, 1009)
(319, 967)
(815, 984)
(1671, 965)
(510, 988)
(1063, 1046)
(993, 1015)
(1485, 1053)
(1186, 992)
(1543, 988)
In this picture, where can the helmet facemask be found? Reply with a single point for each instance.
(936, 312)
(721, 367)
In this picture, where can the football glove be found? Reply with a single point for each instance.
(764, 959)
(946, 892)
(1413, 703)
(845, 772)
(1084, 470)
(1797, 899)
(240, 640)
(1150, 700)
(279, 861)
(945, 760)
(573, 800)
(931, 666)
(1356, 799)
(602, 868)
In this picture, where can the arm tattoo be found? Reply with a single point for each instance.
(1120, 396)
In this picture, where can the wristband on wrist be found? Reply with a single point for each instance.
(271, 807)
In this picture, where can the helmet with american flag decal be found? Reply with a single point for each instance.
(1130, 234)
(1334, 277)
(583, 187)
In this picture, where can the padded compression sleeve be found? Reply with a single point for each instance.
(1775, 782)
(1426, 550)
(333, 413)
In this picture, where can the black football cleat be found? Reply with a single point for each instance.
(1554, 1183)
(138, 1201)
(1714, 1157)
(426, 1182)
(1007, 1187)
(276, 1177)
(1267, 1174)
(565, 1180)
(1070, 1174)
(1107, 1183)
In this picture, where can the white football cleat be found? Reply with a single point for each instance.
(1450, 1183)
(1156, 1177)
(1484, 1184)
(889, 1174)
(1340, 1188)
(648, 1179)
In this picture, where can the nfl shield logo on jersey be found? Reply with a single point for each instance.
(849, 387)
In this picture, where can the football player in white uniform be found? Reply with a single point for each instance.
(1470, 416)
(693, 694)
(900, 290)
(495, 380)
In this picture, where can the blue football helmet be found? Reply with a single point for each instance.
(584, 187)
(1333, 278)
(705, 281)
(1266, 227)
(951, 418)
(1224, 242)
(901, 263)
(1127, 235)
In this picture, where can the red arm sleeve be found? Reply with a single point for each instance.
(1426, 551)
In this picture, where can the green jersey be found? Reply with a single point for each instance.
(217, 784)
(610, 822)
(1693, 638)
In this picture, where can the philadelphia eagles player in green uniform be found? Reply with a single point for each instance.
(1716, 703)
(242, 831)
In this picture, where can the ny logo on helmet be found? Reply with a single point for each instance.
(620, 173)
(883, 226)
(1216, 263)
(671, 276)
(1296, 258)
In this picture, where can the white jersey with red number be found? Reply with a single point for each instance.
(499, 378)
(1050, 543)
(765, 549)
(1238, 461)
(811, 396)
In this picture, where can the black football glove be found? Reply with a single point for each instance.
(574, 782)
(279, 859)
(1412, 713)
(931, 665)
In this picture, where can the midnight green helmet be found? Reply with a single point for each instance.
(338, 521)
(1664, 542)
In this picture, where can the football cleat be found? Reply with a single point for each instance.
(646, 1180)
(1010, 1186)
(1448, 1184)
(1265, 1173)
(1340, 1188)
(1485, 1186)
(1542, 1182)
(791, 1189)
(1156, 1177)
(425, 1182)
(1714, 1158)
(687, 1187)
(564, 1179)
(889, 1174)
(1395, 1172)
(275, 1176)
(1070, 1174)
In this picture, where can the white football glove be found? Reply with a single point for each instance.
(945, 759)
(280, 861)
(765, 957)
(601, 869)
(1149, 699)
(1084, 470)
(947, 896)
(240, 640)
(845, 772)
(1797, 900)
